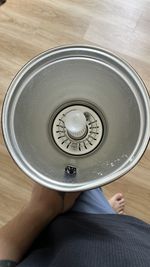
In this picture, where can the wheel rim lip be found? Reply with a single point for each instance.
(46, 181)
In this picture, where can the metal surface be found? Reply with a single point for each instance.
(76, 74)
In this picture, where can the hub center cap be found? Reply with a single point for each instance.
(77, 130)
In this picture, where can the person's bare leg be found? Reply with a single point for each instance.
(117, 202)
(18, 234)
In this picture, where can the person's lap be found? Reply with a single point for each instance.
(93, 201)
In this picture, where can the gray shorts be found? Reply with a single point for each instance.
(93, 201)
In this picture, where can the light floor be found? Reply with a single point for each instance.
(30, 27)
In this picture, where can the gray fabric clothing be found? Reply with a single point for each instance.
(93, 201)
(86, 240)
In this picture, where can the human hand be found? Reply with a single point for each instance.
(51, 201)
